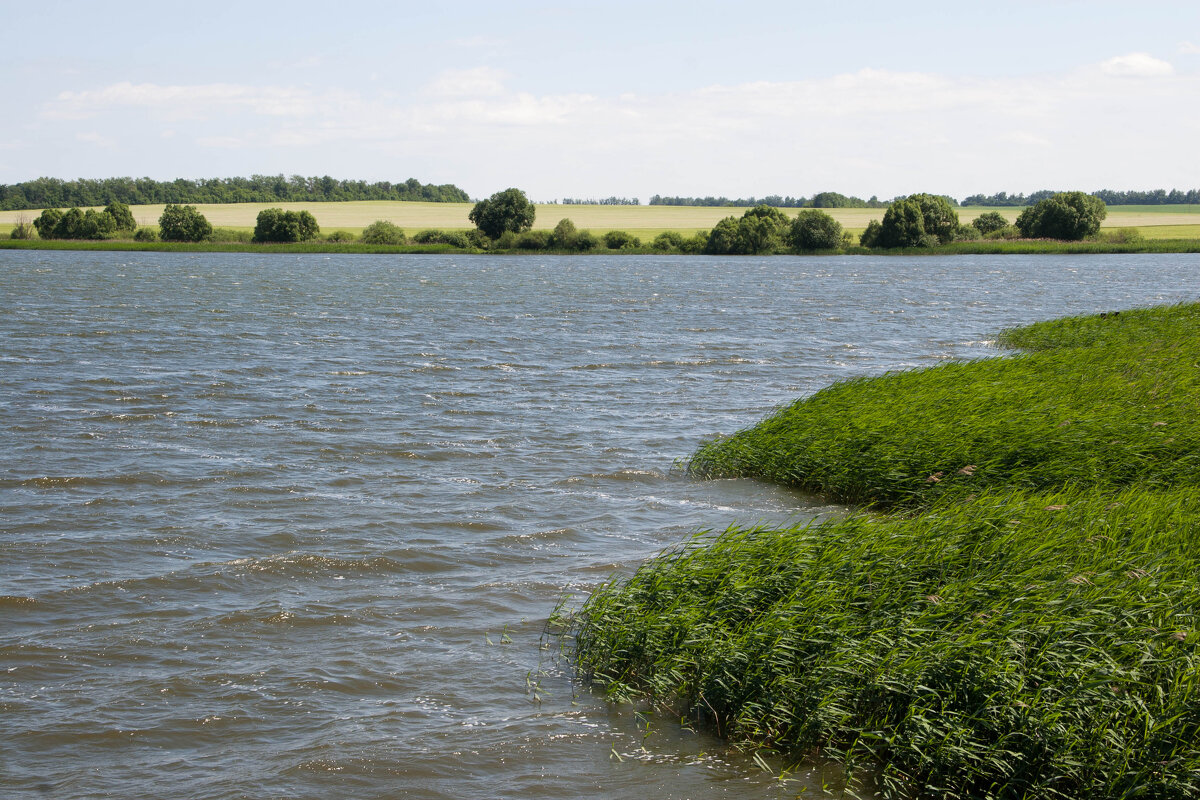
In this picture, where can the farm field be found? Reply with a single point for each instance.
(1154, 222)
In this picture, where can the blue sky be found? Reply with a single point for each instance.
(614, 98)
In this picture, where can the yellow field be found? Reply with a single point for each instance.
(645, 221)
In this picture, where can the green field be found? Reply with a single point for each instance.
(1024, 623)
(1156, 222)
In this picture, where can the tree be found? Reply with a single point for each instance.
(381, 231)
(903, 225)
(620, 240)
(814, 230)
(509, 210)
(870, 236)
(183, 224)
(564, 235)
(277, 225)
(937, 215)
(991, 221)
(722, 239)
(1066, 215)
(47, 222)
(122, 217)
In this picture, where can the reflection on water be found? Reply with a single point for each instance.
(292, 526)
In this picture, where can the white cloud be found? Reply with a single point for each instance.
(1137, 65)
(1188, 48)
(866, 132)
(478, 82)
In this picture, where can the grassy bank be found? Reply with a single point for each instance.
(1022, 625)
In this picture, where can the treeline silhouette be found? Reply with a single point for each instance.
(53, 192)
(607, 201)
(1154, 197)
(819, 200)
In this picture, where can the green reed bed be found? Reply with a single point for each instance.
(1017, 645)
(1023, 625)
(1125, 409)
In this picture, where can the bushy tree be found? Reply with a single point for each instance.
(814, 230)
(903, 225)
(937, 215)
(1066, 215)
(620, 240)
(760, 230)
(991, 221)
(509, 210)
(183, 224)
(381, 231)
(870, 236)
(667, 241)
(122, 217)
(47, 222)
(564, 235)
(277, 225)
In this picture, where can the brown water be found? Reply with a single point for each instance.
(280, 526)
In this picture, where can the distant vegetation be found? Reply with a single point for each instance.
(52, 192)
(75, 223)
(508, 211)
(608, 201)
(819, 200)
(277, 225)
(183, 224)
(1157, 197)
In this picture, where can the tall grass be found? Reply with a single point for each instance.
(1118, 412)
(1024, 624)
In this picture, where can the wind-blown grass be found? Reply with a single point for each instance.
(1120, 411)
(1023, 625)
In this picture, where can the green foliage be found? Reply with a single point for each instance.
(1007, 232)
(564, 235)
(183, 224)
(871, 235)
(122, 217)
(667, 241)
(509, 210)
(341, 237)
(967, 233)
(47, 222)
(52, 192)
(760, 230)
(382, 231)
(903, 225)
(460, 239)
(277, 225)
(814, 230)
(620, 240)
(990, 221)
(1067, 215)
(145, 235)
(586, 240)
(532, 240)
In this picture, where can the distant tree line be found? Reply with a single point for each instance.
(1155, 197)
(607, 201)
(819, 200)
(53, 192)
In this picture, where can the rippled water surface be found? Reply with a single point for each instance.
(280, 526)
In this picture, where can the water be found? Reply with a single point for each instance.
(276, 526)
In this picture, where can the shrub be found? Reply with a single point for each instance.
(277, 225)
(383, 232)
(586, 240)
(183, 224)
(697, 244)
(666, 242)
(1007, 232)
(22, 230)
(814, 230)
(620, 240)
(1124, 236)
(47, 222)
(870, 236)
(967, 233)
(145, 235)
(230, 235)
(991, 221)
(122, 217)
(1067, 215)
(533, 240)
(564, 235)
(340, 237)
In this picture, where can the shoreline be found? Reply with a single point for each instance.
(1011, 247)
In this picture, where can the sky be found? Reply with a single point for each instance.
(630, 99)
